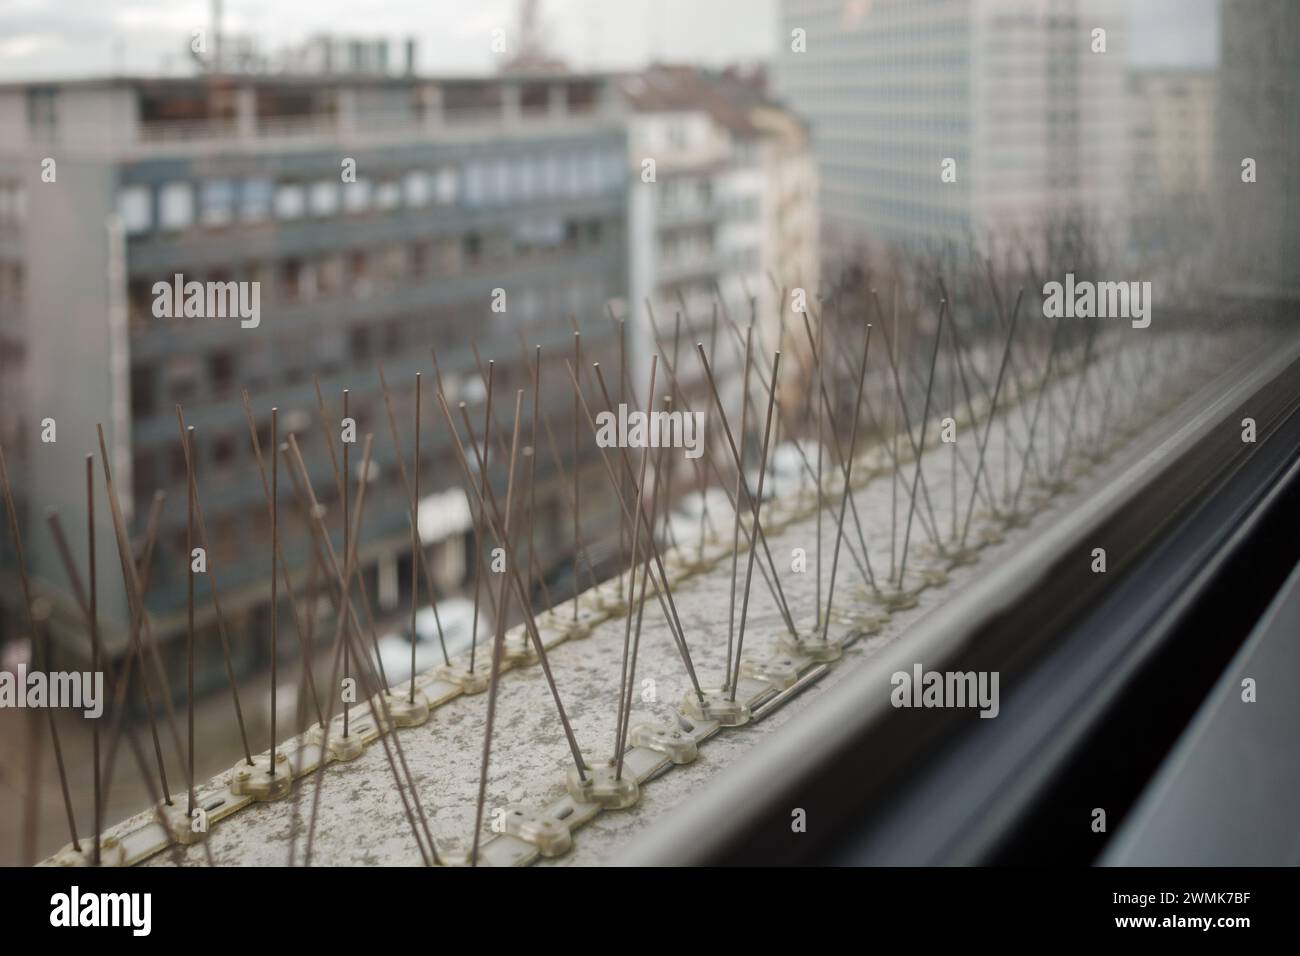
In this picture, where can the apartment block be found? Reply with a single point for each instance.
(377, 216)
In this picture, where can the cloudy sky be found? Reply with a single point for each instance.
(53, 38)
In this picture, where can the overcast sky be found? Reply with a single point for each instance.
(51, 38)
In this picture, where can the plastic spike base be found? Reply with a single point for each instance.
(933, 574)
(717, 706)
(179, 824)
(893, 598)
(1016, 519)
(599, 785)
(957, 555)
(862, 623)
(551, 837)
(812, 645)
(111, 853)
(613, 607)
(608, 598)
(518, 649)
(989, 533)
(1053, 486)
(258, 781)
(666, 739)
(347, 748)
(469, 681)
(690, 563)
(553, 628)
(404, 710)
(779, 670)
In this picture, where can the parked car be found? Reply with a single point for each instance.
(456, 615)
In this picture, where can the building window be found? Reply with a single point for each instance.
(176, 206)
(42, 113)
(500, 189)
(224, 452)
(324, 199)
(388, 195)
(359, 272)
(572, 175)
(475, 184)
(552, 178)
(446, 186)
(181, 375)
(472, 247)
(359, 343)
(329, 277)
(417, 189)
(255, 205)
(356, 196)
(143, 392)
(395, 261)
(221, 372)
(217, 202)
(134, 206)
(332, 352)
(392, 337)
(289, 201)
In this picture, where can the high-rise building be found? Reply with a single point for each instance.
(1020, 95)
(1259, 102)
(373, 217)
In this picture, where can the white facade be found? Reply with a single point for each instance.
(1011, 90)
(729, 211)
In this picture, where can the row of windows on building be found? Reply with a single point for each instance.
(292, 356)
(235, 534)
(222, 453)
(363, 272)
(218, 202)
